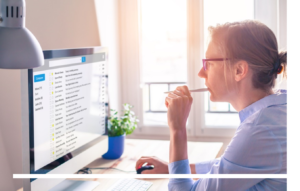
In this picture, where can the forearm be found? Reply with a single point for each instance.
(176, 153)
(178, 145)
(179, 163)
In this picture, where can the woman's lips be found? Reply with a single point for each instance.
(208, 89)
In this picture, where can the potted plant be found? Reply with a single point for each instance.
(118, 128)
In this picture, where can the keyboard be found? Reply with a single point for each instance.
(131, 185)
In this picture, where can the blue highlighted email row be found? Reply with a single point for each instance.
(39, 78)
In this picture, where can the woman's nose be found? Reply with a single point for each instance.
(202, 73)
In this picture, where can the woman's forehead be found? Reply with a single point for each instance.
(213, 51)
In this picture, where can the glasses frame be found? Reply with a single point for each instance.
(212, 59)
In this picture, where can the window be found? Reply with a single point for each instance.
(163, 57)
(162, 44)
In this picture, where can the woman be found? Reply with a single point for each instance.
(241, 66)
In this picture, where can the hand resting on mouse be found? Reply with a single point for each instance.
(160, 166)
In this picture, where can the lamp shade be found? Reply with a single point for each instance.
(19, 49)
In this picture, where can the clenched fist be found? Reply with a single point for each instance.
(179, 104)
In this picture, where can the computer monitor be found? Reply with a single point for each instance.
(66, 112)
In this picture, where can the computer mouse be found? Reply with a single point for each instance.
(140, 170)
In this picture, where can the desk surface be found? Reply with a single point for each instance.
(135, 148)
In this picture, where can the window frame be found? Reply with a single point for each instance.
(129, 15)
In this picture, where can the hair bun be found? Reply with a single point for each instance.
(280, 69)
(283, 63)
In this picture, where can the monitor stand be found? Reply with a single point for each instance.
(75, 185)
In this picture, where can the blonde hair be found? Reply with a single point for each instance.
(255, 43)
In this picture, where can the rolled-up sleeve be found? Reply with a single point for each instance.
(180, 184)
(205, 166)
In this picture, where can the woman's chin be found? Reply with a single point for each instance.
(214, 98)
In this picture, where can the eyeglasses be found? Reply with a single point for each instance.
(204, 61)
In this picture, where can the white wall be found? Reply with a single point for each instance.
(6, 181)
(61, 24)
(10, 128)
(282, 24)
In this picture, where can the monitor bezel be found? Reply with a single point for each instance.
(51, 54)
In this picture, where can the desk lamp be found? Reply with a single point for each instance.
(19, 49)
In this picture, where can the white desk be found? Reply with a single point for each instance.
(135, 148)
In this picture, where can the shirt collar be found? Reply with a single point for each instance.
(278, 98)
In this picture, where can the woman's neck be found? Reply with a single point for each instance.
(245, 98)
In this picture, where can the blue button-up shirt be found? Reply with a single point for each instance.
(258, 147)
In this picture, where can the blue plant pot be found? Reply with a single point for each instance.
(115, 147)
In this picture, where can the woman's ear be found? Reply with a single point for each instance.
(241, 69)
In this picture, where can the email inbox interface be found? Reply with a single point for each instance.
(69, 109)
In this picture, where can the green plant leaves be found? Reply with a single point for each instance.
(126, 124)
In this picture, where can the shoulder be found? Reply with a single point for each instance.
(269, 122)
(261, 139)
(272, 116)
(275, 115)
(263, 129)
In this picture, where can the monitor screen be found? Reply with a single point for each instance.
(68, 106)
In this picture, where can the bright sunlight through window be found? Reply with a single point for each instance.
(163, 54)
